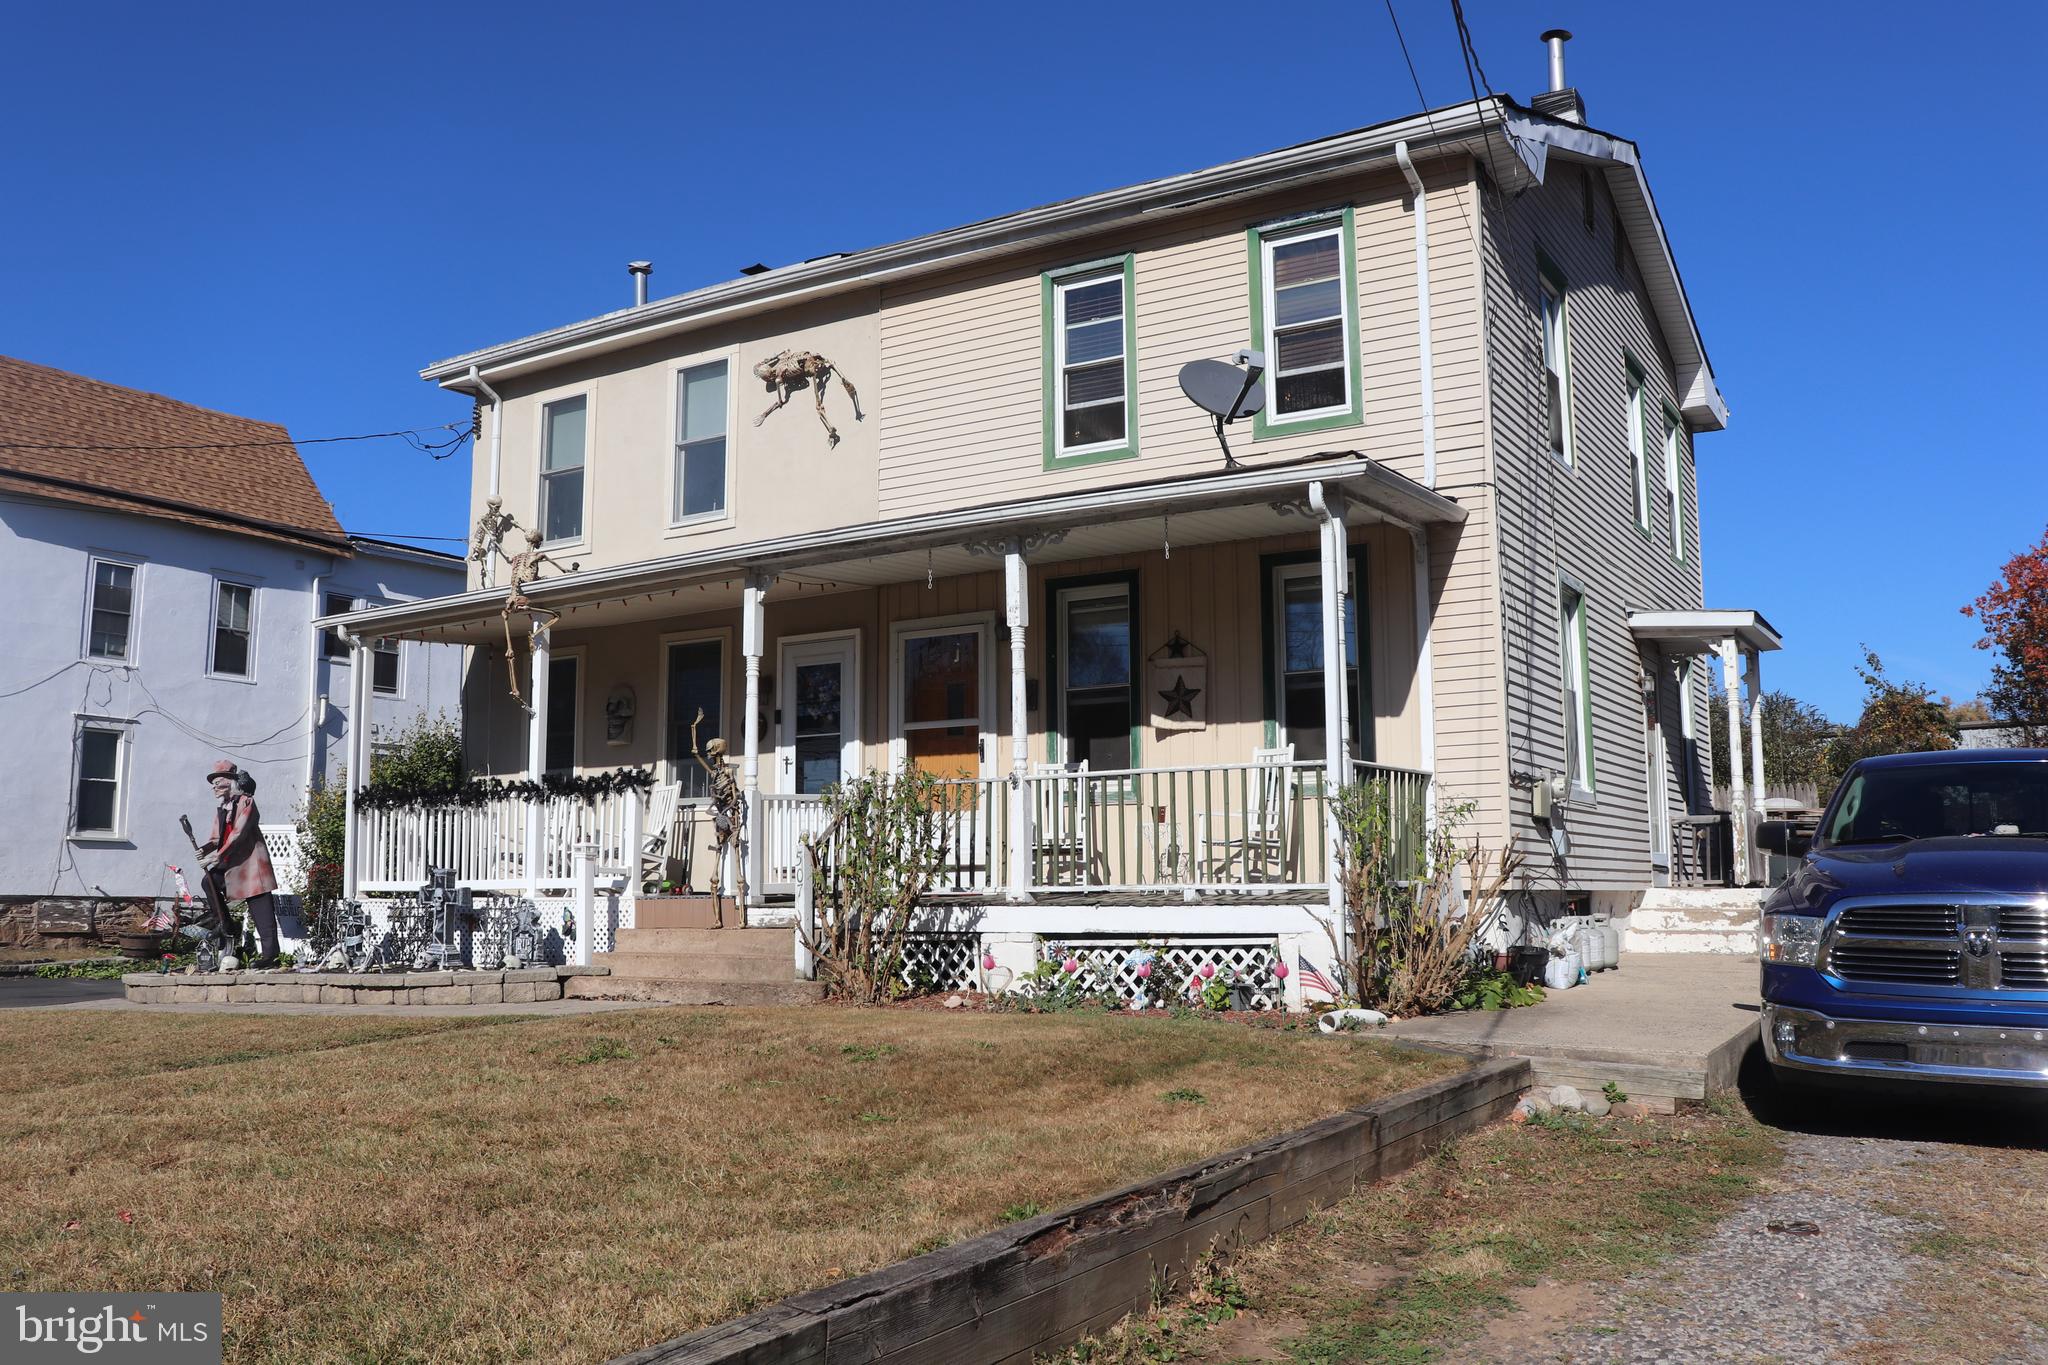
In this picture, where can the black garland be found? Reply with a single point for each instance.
(479, 791)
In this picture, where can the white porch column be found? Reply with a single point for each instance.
(1731, 683)
(1017, 613)
(584, 863)
(1757, 789)
(1425, 677)
(1336, 713)
(355, 756)
(536, 753)
(752, 624)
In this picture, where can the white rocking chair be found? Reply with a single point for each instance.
(1059, 825)
(1254, 838)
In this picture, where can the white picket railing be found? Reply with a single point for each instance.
(786, 820)
(485, 845)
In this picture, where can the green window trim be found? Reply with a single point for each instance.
(1548, 272)
(1256, 240)
(1048, 284)
(1674, 473)
(1054, 694)
(1269, 659)
(1638, 421)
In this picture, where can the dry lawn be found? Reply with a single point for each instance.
(487, 1189)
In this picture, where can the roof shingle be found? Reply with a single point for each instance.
(75, 439)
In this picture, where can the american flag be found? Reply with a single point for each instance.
(1311, 977)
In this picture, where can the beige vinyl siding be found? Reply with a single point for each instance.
(1578, 522)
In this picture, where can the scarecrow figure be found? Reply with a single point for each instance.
(489, 539)
(236, 859)
(728, 809)
(788, 371)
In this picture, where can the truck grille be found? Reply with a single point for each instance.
(1917, 965)
(1930, 944)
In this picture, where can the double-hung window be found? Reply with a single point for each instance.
(234, 630)
(1578, 696)
(564, 673)
(1674, 483)
(696, 683)
(1305, 315)
(1090, 340)
(1638, 452)
(1557, 381)
(384, 667)
(332, 646)
(111, 611)
(1097, 708)
(564, 426)
(96, 792)
(1295, 623)
(699, 476)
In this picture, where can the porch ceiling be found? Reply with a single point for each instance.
(1201, 509)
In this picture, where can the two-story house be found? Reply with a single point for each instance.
(167, 563)
(1457, 548)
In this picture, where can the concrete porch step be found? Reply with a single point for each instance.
(675, 992)
(685, 912)
(755, 942)
(699, 966)
(1694, 920)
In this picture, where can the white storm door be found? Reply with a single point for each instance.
(818, 741)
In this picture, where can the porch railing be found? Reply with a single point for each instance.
(485, 845)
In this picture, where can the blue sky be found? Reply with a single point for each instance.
(285, 211)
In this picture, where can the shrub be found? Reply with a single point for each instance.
(884, 844)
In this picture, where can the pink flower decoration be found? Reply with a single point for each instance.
(1072, 964)
(988, 962)
(1208, 970)
(1280, 970)
(1144, 970)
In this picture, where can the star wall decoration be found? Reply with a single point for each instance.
(1180, 698)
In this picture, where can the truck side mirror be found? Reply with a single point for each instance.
(1783, 837)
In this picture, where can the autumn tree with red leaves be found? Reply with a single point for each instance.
(2014, 613)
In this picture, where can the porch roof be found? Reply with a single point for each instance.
(1698, 632)
(1190, 510)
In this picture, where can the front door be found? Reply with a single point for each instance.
(943, 697)
(818, 741)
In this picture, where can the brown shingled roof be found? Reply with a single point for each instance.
(122, 456)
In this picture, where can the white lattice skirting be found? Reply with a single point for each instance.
(950, 962)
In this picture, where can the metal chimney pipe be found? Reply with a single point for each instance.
(640, 270)
(1555, 40)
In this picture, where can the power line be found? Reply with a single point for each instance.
(410, 435)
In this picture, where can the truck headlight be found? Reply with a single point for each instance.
(1791, 940)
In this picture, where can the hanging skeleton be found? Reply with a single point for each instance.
(788, 371)
(728, 808)
(489, 539)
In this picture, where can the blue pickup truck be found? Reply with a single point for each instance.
(1912, 943)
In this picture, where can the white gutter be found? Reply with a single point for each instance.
(476, 380)
(313, 716)
(1425, 362)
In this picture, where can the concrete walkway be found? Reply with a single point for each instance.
(1662, 1026)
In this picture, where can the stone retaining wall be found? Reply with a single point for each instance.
(1045, 1282)
(521, 987)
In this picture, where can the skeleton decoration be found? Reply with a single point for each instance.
(788, 371)
(489, 539)
(728, 808)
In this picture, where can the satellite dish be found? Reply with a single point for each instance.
(1226, 392)
(1223, 390)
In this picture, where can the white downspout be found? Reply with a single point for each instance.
(1426, 360)
(351, 835)
(313, 708)
(476, 380)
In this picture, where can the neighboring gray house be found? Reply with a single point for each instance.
(165, 594)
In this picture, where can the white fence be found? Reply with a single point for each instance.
(486, 845)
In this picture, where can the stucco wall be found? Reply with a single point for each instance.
(177, 718)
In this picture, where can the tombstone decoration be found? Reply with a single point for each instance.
(619, 707)
(489, 539)
(788, 371)
(728, 808)
(1178, 685)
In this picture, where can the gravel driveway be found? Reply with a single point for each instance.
(1901, 1229)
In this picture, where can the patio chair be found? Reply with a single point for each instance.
(657, 833)
(1253, 838)
(1059, 825)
